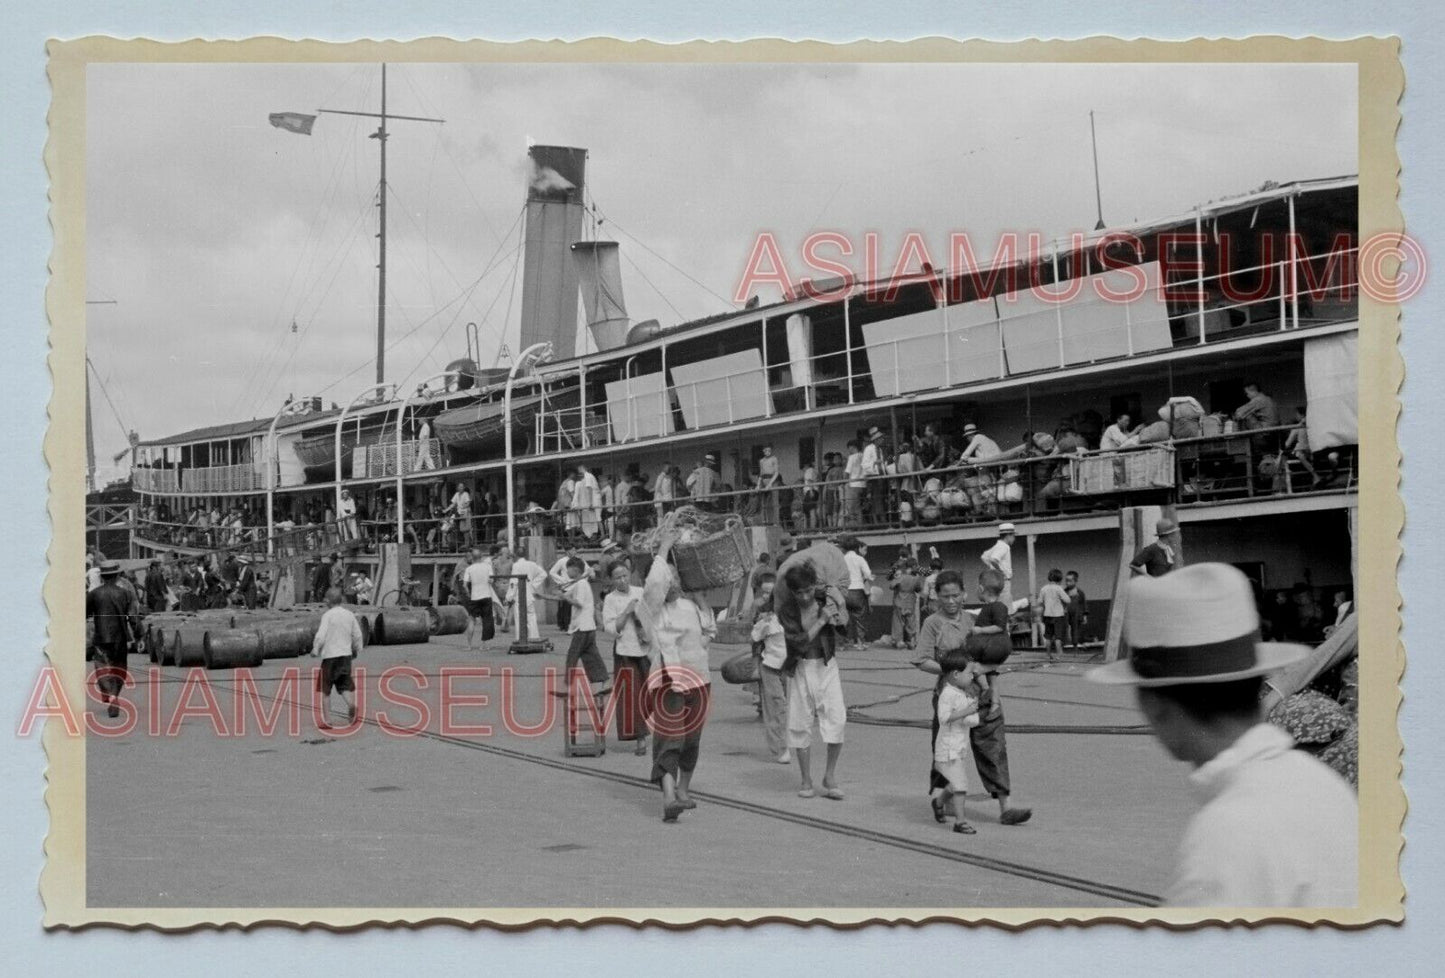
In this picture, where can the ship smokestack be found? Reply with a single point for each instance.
(554, 224)
(600, 273)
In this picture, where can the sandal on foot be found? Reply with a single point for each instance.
(641, 748)
(937, 804)
(1016, 816)
(687, 803)
(963, 828)
(836, 794)
(806, 793)
(670, 811)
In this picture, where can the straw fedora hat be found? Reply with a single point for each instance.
(1196, 625)
(109, 568)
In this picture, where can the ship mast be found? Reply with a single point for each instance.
(1093, 141)
(89, 424)
(381, 136)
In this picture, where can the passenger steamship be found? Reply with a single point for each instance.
(1257, 289)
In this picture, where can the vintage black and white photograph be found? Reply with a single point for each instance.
(681, 489)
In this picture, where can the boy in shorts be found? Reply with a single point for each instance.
(338, 640)
(1055, 601)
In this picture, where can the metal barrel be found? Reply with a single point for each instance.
(232, 648)
(188, 645)
(447, 619)
(366, 618)
(402, 626)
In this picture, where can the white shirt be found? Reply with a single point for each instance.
(479, 580)
(680, 630)
(92, 578)
(871, 465)
(558, 571)
(1114, 439)
(701, 481)
(768, 630)
(584, 614)
(462, 503)
(952, 742)
(337, 635)
(853, 469)
(1277, 828)
(630, 641)
(859, 573)
(1001, 558)
(584, 492)
(536, 580)
(348, 506)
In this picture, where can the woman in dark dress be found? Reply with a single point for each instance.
(942, 648)
(949, 640)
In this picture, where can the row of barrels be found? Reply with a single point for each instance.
(228, 639)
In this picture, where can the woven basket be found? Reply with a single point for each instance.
(719, 560)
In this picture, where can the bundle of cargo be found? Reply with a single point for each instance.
(710, 551)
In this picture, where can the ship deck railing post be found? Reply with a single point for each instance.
(1293, 267)
(1199, 258)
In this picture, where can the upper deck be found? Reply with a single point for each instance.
(1229, 282)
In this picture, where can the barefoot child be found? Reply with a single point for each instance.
(772, 647)
(577, 594)
(812, 622)
(1055, 601)
(957, 714)
(989, 645)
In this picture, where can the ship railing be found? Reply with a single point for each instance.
(245, 477)
(1240, 465)
(312, 539)
(571, 428)
(380, 459)
(435, 534)
(1202, 309)
(148, 479)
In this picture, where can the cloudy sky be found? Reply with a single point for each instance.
(214, 232)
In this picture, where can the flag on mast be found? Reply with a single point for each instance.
(298, 122)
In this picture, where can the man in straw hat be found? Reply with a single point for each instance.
(872, 462)
(1276, 827)
(116, 616)
(999, 557)
(1161, 556)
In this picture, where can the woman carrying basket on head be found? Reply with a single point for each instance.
(679, 628)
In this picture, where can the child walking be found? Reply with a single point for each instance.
(957, 714)
(1055, 601)
(770, 643)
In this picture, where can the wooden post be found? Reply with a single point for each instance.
(1128, 546)
(1034, 625)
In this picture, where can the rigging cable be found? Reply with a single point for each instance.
(366, 363)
